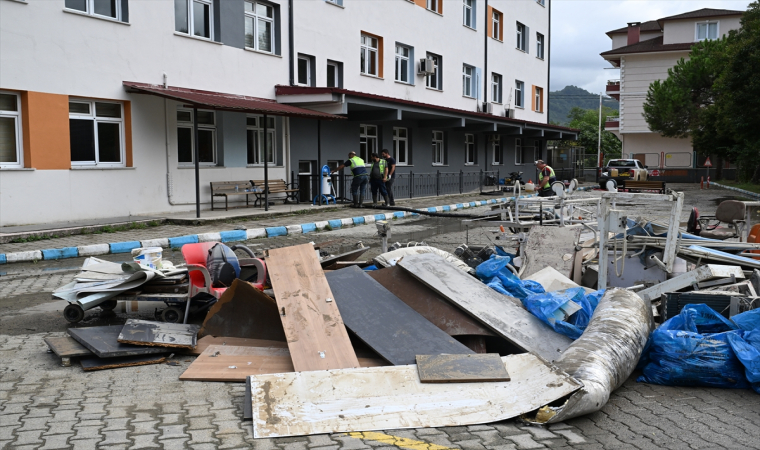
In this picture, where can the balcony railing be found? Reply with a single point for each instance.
(612, 122)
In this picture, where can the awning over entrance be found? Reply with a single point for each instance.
(355, 105)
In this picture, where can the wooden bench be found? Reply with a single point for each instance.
(274, 187)
(639, 186)
(227, 188)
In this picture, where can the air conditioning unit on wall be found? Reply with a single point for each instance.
(509, 113)
(487, 108)
(427, 67)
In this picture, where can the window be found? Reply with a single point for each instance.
(401, 146)
(96, 132)
(367, 141)
(103, 8)
(369, 63)
(255, 140)
(707, 30)
(467, 79)
(539, 46)
(522, 36)
(538, 99)
(438, 159)
(469, 149)
(524, 154)
(435, 6)
(540, 2)
(496, 150)
(496, 88)
(519, 88)
(334, 74)
(259, 26)
(403, 66)
(304, 70)
(194, 17)
(435, 80)
(468, 13)
(10, 131)
(496, 32)
(206, 137)
(518, 152)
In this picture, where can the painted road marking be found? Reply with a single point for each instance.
(397, 441)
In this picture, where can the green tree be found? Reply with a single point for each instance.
(587, 121)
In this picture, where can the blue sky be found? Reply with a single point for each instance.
(578, 37)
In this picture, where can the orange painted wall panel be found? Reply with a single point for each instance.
(46, 131)
(489, 20)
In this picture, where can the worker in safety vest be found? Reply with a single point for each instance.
(545, 179)
(360, 179)
(378, 175)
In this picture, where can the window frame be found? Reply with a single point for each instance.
(396, 140)
(205, 127)
(470, 157)
(18, 121)
(438, 147)
(298, 70)
(707, 24)
(434, 6)
(90, 10)
(539, 45)
(496, 20)
(191, 19)
(367, 140)
(497, 88)
(437, 75)
(366, 51)
(518, 152)
(538, 99)
(471, 9)
(519, 88)
(467, 81)
(256, 18)
(521, 38)
(409, 64)
(258, 130)
(332, 66)
(96, 120)
(495, 141)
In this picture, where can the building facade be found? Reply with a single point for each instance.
(644, 52)
(99, 99)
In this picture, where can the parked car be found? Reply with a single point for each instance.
(621, 170)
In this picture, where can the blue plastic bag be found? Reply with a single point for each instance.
(492, 266)
(561, 310)
(694, 349)
(746, 346)
(748, 320)
(516, 287)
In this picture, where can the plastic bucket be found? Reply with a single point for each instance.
(150, 257)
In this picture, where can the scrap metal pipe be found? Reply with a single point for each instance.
(603, 357)
(422, 212)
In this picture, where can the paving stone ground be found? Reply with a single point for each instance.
(46, 406)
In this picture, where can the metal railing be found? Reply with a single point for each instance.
(405, 185)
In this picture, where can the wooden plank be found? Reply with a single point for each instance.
(244, 312)
(497, 311)
(103, 342)
(232, 363)
(159, 334)
(205, 341)
(386, 324)
(66, 347)
(550, 247)
(95, 363)
(316, 336)
(388, 398)
(431, 305)
(461, 368)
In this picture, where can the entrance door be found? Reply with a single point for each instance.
(307, 181)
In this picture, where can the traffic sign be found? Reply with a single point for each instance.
(707, 162)
(655, 173)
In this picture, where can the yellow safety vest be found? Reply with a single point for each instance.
(357, 166)
(541, 177)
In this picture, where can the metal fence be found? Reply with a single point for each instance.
(406, 185)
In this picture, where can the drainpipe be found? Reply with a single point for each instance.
(486, 78)
(290, 42)
(549, 60)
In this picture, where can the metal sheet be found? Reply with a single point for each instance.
(550, 247)
(103, 342)
(95, 363)
(383, 398)
(66, 347)
(706, 272)
(159, 334)
(499, 312)
(428, 303)
(461, 368)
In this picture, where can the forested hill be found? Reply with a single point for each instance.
(561, 102)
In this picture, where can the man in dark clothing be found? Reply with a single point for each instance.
(361, 177)
(545, 179)
(391, 164)
(378, 175)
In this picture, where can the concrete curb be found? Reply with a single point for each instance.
(232, 235)
(742, 191)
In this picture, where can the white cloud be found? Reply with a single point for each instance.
(578, 28)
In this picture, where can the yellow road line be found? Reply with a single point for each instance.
(400, 442)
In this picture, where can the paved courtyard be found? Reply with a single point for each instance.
(44, 405)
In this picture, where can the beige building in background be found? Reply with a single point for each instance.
(644, 52)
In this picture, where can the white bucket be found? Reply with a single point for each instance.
(149, 257)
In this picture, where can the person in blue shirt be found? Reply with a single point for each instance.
(391, 164)
(360, 180)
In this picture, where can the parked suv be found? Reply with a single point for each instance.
(621, 170)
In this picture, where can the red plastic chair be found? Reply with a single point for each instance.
(200, 280)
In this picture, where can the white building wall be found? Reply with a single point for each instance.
(680, 31)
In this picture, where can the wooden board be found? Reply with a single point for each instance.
(386, 324)
(428, 303)
(389, 398)
(159, 334)
(245, 312)
(497, 311)
(66, 347)
(103, 342)
(95, 363)
(550, 247)
(205, 341)
(232, 363)
(316, 336)
(461, 368)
